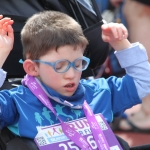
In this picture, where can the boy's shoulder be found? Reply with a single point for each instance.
(95, 84)
(107, 84)
(19, 90)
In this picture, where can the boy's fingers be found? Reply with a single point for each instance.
(104, 26)
(10, 22)
(2, 21)
(109, 30)
(125, 32)
(7, 23)
(105, 38)
(1, 31)
(114, 30)
(7, 30)
(10, 31)
(120, 32)
(106, 29)
(4, 30)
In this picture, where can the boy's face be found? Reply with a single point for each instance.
(64, 83)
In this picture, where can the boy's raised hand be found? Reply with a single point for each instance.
(6, 38)
(116, 34)
(112, 32)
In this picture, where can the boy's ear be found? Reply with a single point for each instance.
(30, 67)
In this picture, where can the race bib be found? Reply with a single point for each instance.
(52, 137)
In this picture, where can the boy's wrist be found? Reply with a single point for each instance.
(120, 45)
(131, 56)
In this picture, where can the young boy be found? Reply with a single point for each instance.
(53, 46)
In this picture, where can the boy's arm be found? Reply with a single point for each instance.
(135, 61)
(6, 43)
(132, 57)
(8, 111)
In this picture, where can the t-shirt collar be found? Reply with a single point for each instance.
(75, 101)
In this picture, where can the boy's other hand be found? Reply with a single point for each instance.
(6, 38)
(116, 34)
(112, 32)
(6, 34)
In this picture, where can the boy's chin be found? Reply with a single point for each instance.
(68, 94)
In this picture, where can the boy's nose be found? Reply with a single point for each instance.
(70, 73)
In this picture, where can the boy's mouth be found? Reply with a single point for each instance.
(70, 87)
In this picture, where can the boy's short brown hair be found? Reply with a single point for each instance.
(49, 30)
